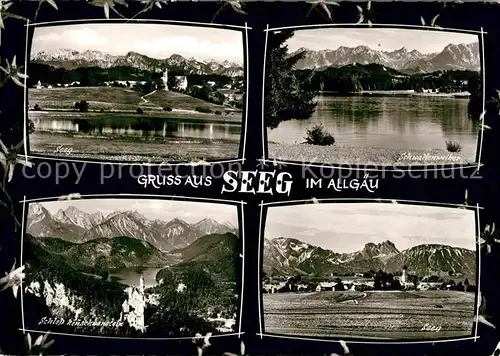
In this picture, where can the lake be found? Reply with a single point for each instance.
(140, 127)
(131, 276)
(391, 122)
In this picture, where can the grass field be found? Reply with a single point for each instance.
(132, 149)
(371, 315)
(116, 99)
(98, 98)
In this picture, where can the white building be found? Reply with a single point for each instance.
(133, 308)
(181, 82)
(164, 79)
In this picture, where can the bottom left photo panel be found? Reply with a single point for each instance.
(120, 267)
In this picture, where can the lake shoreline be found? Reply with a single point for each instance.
(150, 115)
(134, 149)
(456, 95)
(339, 154)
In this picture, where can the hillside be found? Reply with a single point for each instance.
(217, 254)
(116, 99)
(284, 256)
(106, 98)
(181, 101)
(357, 77)
(107, 254)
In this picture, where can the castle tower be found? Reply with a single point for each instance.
(141, 284)
(164, 78)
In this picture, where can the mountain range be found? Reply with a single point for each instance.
(70, 59)
(452, 57)
(286, 256)
(76, 226)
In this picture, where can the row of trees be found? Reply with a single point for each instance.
(352, 78)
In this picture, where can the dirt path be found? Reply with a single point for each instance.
(147, 102)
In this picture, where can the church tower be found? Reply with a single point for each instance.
(404, 277)
(141, 284)
(165, 79)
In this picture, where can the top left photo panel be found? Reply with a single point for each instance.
(136, 92)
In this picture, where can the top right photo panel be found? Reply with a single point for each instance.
(373, 96)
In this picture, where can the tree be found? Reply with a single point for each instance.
(317, 135)
(173, 82)
(285, 99)
(82, 106)
(474, 87)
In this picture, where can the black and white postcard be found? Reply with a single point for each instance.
(136, 92)
(131, 268)
(381, 96)
(371, 271)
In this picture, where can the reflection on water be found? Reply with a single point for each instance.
(143, 127)
(132, 276)
(410, 122)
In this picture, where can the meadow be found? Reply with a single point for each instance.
(409, 315)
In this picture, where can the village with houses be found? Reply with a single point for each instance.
(369, 281)
(216, 91)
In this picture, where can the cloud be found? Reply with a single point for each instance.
(76, 38)
(189, 45)
(346, 227)
(159, 41)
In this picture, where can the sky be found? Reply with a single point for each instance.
(383, 39)
(165, 210)
(154, 40)
(347, 227)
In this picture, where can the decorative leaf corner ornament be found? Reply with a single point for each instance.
(110, 4)
(4, 6)
(14, 73)
(13, 279)
(9, 159)
(202, 342)
(242, 351)
(40, 344)
(149, 5)
(432, 23)
(322, 6)
(365, 15)
(40, 3)
(236, 5)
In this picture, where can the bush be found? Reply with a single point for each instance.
(101, 111)
(453, 146)
(167, 108)
(218, 112)
(317, 135)
(139, 111)
(203, 110)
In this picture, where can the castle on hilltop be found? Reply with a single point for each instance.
(133, 308)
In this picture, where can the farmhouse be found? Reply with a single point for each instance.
(325, 286)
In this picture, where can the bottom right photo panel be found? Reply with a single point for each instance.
(370, 271)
